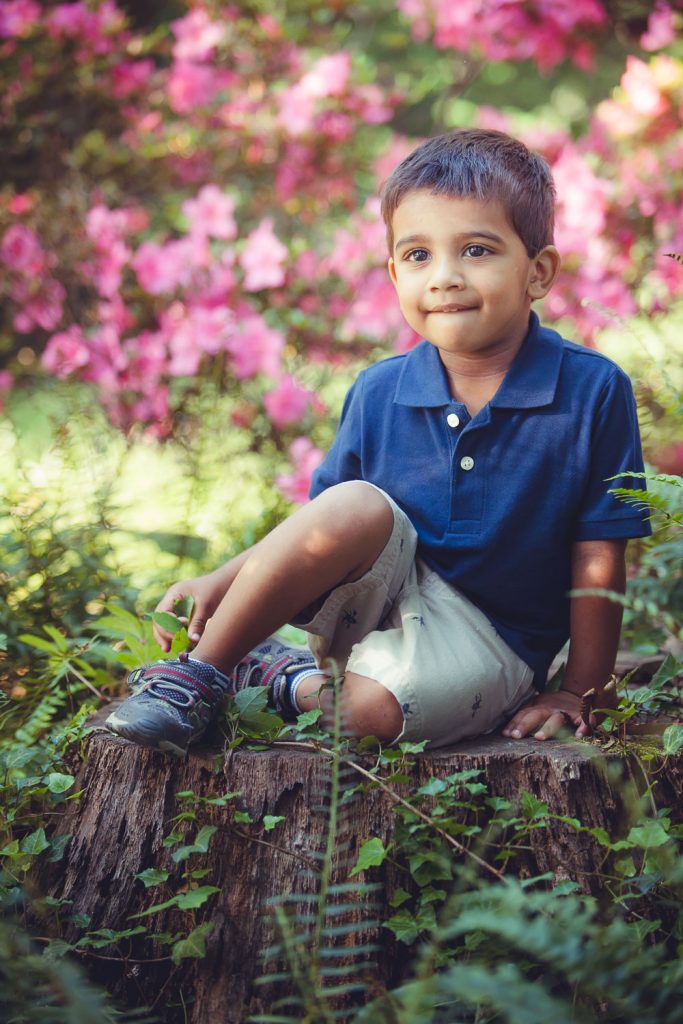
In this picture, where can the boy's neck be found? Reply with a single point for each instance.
(474, 378)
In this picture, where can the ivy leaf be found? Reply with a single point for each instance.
(35, 843)
(673, 739)
(194, 898)
(271, 820)
(650, 833)
(171, 623)
(532, 807)
(251, 699)
(308, 718)
(370, 855)
(152, 876)
(433, 788)
(59, 783)
(194, 946)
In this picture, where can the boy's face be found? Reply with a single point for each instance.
(462, 273)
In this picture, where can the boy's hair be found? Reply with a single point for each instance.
(484, 164)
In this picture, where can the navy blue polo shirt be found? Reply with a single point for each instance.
(498, 499)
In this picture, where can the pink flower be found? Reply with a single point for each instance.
(20, 203)
(163, 268)
(21, 250)
(297, 110)
(287, 402)
(211, 213)
(129, 76)
(6, 381)
(191, 85)
(329, 76)
(375, 312)
(66, 352)
(197, 36)
(305, 458)
(641, 89)
(17, 17)
(661, 30)
(262, 258)
(255, 348)
(582, 201)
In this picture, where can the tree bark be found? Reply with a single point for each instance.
(129, 797)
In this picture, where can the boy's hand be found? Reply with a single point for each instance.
(546, 714)
(206, 597)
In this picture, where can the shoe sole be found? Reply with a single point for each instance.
(134, 734)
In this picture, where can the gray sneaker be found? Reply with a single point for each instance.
(173, 703)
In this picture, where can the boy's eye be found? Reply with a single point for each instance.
(417, 255)
(477, 250)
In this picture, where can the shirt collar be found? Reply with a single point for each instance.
(530, 382)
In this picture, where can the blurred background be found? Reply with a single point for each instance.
(192, 265)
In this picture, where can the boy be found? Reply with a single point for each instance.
(464, 496)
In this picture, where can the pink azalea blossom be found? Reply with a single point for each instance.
(66, 352)
(17, 17)
(129, 77)
(197, 36)
(163, 268)
(6, 382)
(305, 459)
(191, 85)
(22, 202)
(255, 348)
(297, 111)
(42, 308)
(582, 201)
(262, 258)
(374, 312)
(211, 213)
(20, 249)
(641, 89)
(288, 402)
(329, 76)
(661, 28)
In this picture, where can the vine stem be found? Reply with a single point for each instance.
(424, 817)
(378, 781)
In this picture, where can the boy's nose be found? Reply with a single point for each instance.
(446, 273)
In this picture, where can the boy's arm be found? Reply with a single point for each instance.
(595, 623)
(207, 593)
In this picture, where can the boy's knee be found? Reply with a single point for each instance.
(358, 506)
(369, 709)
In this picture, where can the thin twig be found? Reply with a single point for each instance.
(424, 817)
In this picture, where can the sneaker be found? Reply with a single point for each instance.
(271, 664)
(173, 703)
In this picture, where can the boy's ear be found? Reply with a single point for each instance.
(391, 264)
(544, 269)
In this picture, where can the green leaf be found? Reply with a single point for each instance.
(650, 833)
(183, 607)
(203, 838)
(251, 699)
(194, 946)
(271, 820)
(668, 670)
(169, 622)
(35, 843)
(371, 854)
(308, 718)
(194, 898)
(243, 818)
(152, 876)
(433, 788)
(59, 783)
(673, 739)
(38, 642)
(532, 807)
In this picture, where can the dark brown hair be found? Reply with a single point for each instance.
(483, 164)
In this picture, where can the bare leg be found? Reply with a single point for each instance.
(367, 707)
(334, 539)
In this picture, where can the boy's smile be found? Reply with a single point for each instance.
(464, 279)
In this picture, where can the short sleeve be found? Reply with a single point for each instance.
(343, 461)
(615, 452)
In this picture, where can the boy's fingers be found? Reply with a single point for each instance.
(196, 628)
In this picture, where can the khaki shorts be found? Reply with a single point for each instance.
(404, 626)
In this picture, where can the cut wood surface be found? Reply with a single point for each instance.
(129, 798)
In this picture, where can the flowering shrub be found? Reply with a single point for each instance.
(200, 197)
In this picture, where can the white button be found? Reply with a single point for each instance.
(452, 420)
(467, 463)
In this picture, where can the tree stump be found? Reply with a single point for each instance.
(129, 797)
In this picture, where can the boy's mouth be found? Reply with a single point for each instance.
(451, 307)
